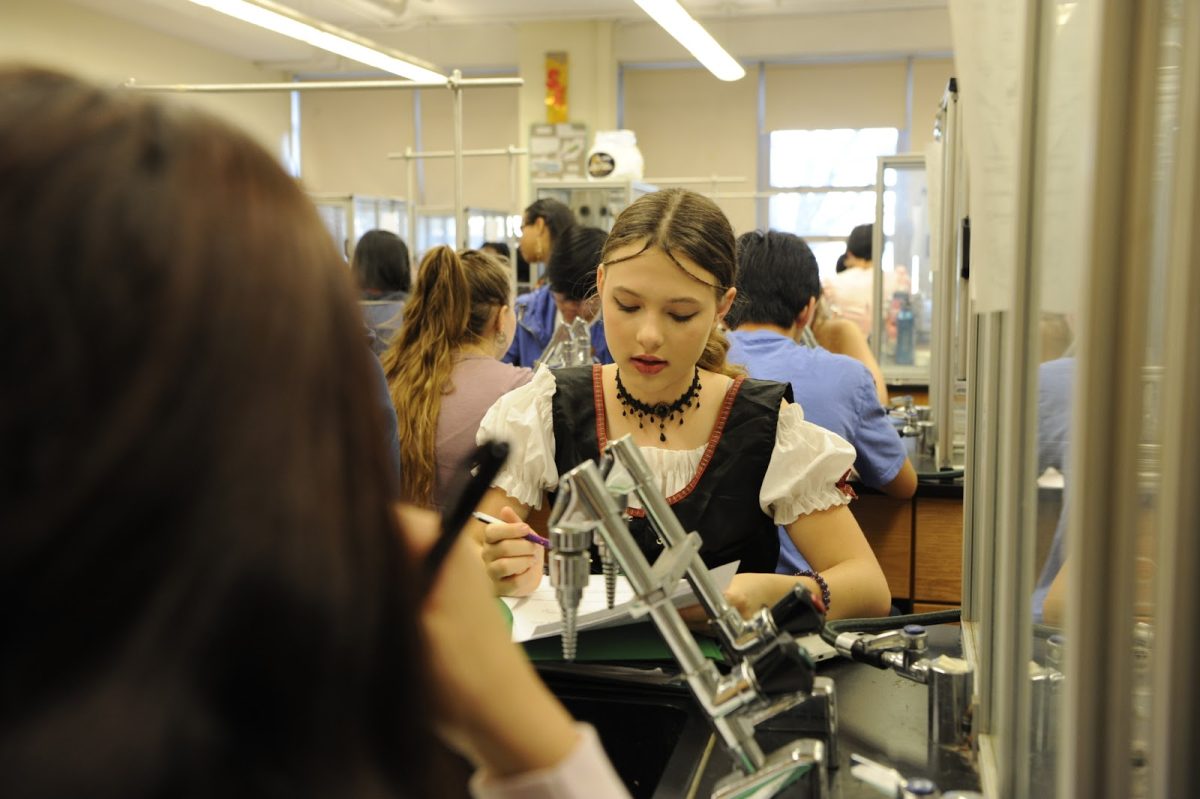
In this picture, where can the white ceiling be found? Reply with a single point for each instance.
(387, 20)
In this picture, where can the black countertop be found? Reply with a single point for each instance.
(928, 487)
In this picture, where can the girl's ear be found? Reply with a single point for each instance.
(726, 303)
(600, 279)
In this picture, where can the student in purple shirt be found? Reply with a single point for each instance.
(778, 285)
(443, 368)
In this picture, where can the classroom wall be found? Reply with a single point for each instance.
(489, 122)
(345, 137)
(689, 124)
(838, 50)
(496, 45)
(922, 31)
(81, 41)
(930, 77)
(863, 95)
(857, 95)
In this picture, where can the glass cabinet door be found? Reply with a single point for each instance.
(902, 313)
(484, 225)
(434, 229)
(335, 214)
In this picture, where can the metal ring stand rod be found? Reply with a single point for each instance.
(759, 195)
(409, 153)
(460, 210)
(410, 156)
(455, 83)
(702, 179)
(322, 85)
(712, 181)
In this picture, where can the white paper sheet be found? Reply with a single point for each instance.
(539, 616)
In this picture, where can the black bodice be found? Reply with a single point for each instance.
(721, 501)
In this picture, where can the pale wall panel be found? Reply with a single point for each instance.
(345, 137)
(815, 96)
(929, 84)
(688, 124)
(767, 37)
(489, 122)
(108, 50)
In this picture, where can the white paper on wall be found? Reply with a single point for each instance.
(1065, 188)
(989, 55)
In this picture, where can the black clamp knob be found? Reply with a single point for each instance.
(796, 614)
(783, 668)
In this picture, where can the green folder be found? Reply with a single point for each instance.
(629, 642)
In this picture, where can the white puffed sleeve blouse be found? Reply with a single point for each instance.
(806, 465)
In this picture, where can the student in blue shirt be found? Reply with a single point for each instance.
(544, 222)
(778, 285)
(1056, 380)
(570, 293)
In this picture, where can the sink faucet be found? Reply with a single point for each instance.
(903, 409)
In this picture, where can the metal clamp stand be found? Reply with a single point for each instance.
(771, 671)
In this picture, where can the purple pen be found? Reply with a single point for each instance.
(532, 538)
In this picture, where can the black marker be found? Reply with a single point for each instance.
(465, 495)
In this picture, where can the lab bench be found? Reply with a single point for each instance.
(663, 747)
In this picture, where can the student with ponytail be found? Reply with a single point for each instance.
(733, 455)
(443, 367)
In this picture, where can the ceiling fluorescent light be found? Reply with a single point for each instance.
(288, 22)
(691, 34)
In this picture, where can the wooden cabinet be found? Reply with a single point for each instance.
(938, 532)
(918, 543)
(887, 524)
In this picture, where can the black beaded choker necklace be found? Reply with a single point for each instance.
(661, 411)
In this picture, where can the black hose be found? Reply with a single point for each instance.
(833, 629)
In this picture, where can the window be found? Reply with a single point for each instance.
(833, 174)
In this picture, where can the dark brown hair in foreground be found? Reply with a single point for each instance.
(204, 592)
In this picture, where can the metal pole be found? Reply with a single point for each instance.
(946, 287)
(509, 150)
(410, 178)
(321, 85)
(460, 210)
(514, 193)
(878, 329)
(710, 179)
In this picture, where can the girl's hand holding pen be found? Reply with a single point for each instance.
(512, 559)
(531, 537)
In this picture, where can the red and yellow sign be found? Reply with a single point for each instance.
(556, 87)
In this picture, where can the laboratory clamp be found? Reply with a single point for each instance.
(771, 671)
